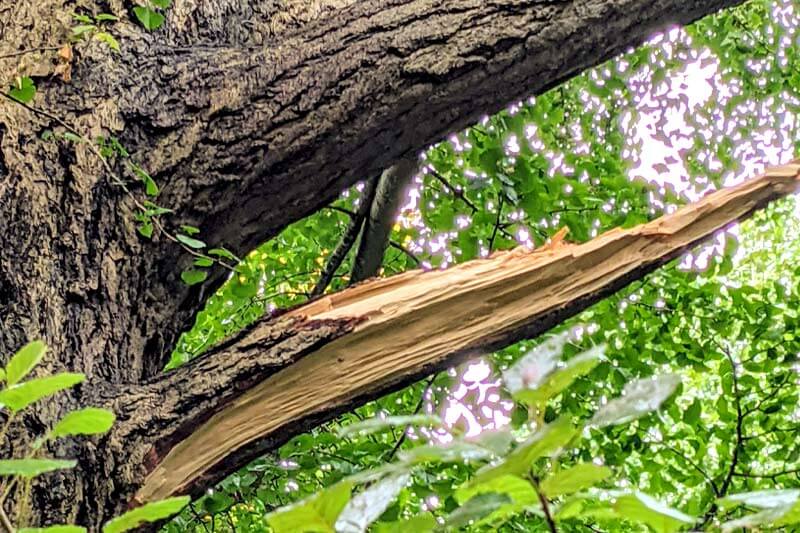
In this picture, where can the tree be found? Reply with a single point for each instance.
(243, 136)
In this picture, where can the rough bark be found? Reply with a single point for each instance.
(249, 115)
(247, 137)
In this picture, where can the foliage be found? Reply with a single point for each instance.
(15, 397)
(149, 13)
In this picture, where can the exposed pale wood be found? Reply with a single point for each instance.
(416, 322)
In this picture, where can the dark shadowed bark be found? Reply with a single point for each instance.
(249, 115)
(389, 192)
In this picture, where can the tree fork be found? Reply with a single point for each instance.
(410, 325)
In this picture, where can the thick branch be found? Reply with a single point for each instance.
(415, 323)
(382, 214)
(245, 140)
(155, 416)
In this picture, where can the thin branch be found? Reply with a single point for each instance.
(348, 239)
(545, 506)
(6, 523)
(396, 245)
(726, 483)
(774, 390)
(772, 431)
(739, 423)
(348, 212)
(694, 465)
(496, 223)
(198, 517)
(455, 192)
(769, 475)
(403, 437)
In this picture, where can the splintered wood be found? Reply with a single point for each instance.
(418, 321)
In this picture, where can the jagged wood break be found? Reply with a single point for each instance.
(409, 325)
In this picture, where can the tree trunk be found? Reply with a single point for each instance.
(249, 116)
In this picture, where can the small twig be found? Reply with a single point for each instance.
(346, 242)
(739, 424)
(396, 245)
(726, 483)
(694, 465)
(198, 517)
(348, 212)
(403, 437)
(455, 192)
(496, 224)
(545, 506)
(770, 475)
(7, 525)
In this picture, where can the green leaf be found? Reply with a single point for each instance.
(83, 28)
(107, 17)
(638, 398)
(372, 425)
(150, 186)
(557, 381)
(367, 506)
(545, 441)
(476, 508)
(53, 529)
(24, 361)
(579, 477)
(190, 230)
(72, 137)
(516, 488)
(453, 452)
(520, 492)
(421, 523)
(315, 514)
(190, 242)
(112, 43)
(21, 395)
(148, 513)
(82, 18)
(203, 262)
(145, 229)
(531, 370)
(639, 507)
(763, 499)
(222, 252)
(163, 4)
(28, 468)
(24, 90)
(151, 20)
(193, 277)
(86, 421)
(692, 414)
